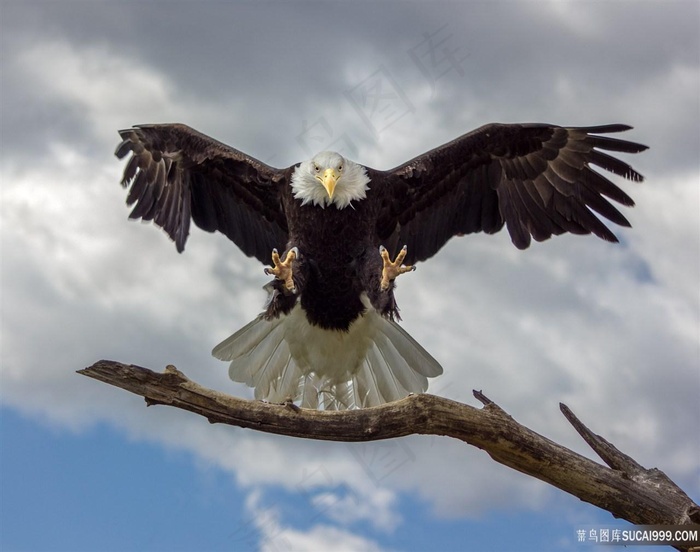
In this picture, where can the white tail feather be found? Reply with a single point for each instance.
(286, 358)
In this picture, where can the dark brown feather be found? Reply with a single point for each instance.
(534, 178)
(178, 174)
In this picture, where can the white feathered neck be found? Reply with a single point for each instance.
(352, 185)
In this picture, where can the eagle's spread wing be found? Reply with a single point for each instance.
(534, 178)
(176, 174)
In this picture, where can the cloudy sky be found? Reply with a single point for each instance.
(611, 330)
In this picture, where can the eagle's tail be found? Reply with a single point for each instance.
(286, 358)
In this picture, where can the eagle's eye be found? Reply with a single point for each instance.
(340, 167)
(316, 168)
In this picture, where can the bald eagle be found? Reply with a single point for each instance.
(337, 235)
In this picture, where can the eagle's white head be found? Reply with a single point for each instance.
(329, 179)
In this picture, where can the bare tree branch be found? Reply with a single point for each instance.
(625, 488)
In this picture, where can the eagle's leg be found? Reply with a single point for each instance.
(282, 270)
(391, 270)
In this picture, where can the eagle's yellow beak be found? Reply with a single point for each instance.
(329, 179)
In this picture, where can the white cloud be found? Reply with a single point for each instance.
(320, 537)
(377, 508)
(275, 536)
(103, 85)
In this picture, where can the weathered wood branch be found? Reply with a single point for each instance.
(624, 488)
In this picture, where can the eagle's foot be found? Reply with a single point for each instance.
(391, 269)
(282, 270)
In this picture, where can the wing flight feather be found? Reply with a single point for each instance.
(177, 174)
(538, 180)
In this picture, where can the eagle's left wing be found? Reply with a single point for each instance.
(537, 179)
(177, 174)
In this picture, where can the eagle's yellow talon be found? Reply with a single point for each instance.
(282, 270)
(391, 270)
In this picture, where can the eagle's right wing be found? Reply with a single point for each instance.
(177, 173)
(537, 179)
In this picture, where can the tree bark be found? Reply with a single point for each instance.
(624, 488)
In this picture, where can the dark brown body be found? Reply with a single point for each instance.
(338, 261)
